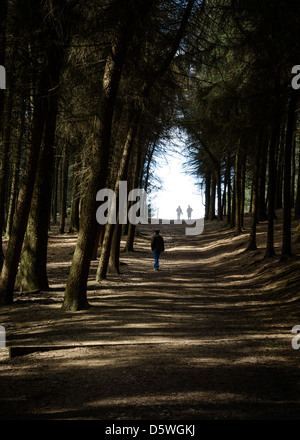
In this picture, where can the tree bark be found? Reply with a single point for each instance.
(252, 238)
(136, 177)
(228, 173)
(212, 198)
(279, 172)
(64, 188)
(293, 175)
(286, 250)
(207, 194)
(237, 181)
(232, 222)
(219, 186)
(261, 202)
(114, 255)
(297, 201)
(75, 294)
(243, 185)
(74, 217)
(11, 261)
(3, 16)
(270, 251)
(122, 173)
(15, 175)
(32, 273)
(54, 190)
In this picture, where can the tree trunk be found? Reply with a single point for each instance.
(297, 202)
(207, 194)
(64, 188)
(114, 255)
(131, 228)
(122, 173)
(243, 185)
(252, 238)
(212, 199)
(280, 161)
(293, 175)
(75, 295)
(237, 181)
(11, 261)
(219, 186)
(228, 172)
(33, 267)
(5, 153)
(98, 241)
(232, 223)
(286, 249)
(74, 216)
(3, 16)
(54, 194)
(270, 251)
(151, 150)
(261, 202)
(15, 176)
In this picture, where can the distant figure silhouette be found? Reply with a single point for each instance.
(179, 212)
(189, 212)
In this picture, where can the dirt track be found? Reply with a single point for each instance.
(207, 337)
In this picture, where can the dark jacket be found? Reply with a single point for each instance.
(157, 243)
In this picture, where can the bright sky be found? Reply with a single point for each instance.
(178, 188)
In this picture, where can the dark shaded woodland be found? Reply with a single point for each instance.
(93, 91)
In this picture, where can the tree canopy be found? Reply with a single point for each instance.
(93, 87)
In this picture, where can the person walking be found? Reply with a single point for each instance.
(157, 246)
(189, 212)
(179, 212)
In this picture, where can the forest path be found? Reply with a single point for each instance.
(207, 337)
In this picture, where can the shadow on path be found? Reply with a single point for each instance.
(204, 338)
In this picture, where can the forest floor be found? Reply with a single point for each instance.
(208, 337)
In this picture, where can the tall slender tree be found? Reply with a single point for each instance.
(286, 250)
(75, 295)
(49, 53)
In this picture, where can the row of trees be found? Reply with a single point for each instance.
(92, 89)
(241, 117)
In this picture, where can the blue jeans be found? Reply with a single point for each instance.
(156, 257)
